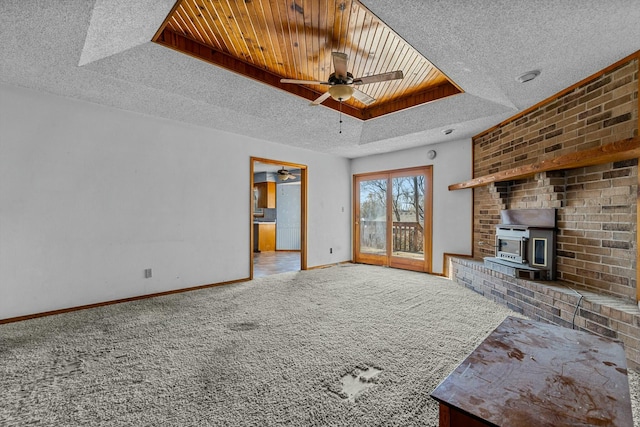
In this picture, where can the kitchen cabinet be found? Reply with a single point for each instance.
(266, 195)
(264, 236)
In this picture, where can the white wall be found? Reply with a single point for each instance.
(91, 196)
(452, 210)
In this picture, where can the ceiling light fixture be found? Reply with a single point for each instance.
(341, 92)
(528, 76)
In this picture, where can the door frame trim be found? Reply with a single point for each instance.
(303, 207)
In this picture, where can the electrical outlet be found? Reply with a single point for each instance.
(330, 250)
(147, 273)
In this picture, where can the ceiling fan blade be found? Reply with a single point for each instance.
(376, 78)
(321, 98)
(363, 97)
(340, 63)
(303, 82)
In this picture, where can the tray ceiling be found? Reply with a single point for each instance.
(274, 39)
(100, 51)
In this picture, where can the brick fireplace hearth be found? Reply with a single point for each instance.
(556, 302)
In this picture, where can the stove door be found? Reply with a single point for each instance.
(511, 249)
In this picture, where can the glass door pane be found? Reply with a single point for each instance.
(392, 218)
(407, 213)
(373, 217)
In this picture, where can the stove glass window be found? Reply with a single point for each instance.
(540, 252)
(510, 246)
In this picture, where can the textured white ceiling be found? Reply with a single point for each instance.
(99, 51)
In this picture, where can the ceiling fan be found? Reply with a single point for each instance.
(284, 175)
(341, 83)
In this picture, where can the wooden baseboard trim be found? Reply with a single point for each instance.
(118, 301)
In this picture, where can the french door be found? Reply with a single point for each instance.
(393, 217)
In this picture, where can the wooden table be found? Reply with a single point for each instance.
(528, 373)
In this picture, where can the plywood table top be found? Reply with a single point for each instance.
(530, 373)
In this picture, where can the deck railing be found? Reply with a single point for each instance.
(407, 236)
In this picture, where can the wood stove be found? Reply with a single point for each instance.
(525, 244)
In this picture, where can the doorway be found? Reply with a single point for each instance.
(393, 218)
(278, 217)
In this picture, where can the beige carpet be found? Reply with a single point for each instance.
(345, 346)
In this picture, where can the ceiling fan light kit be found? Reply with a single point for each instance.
(341, 92)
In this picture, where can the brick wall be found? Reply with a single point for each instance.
(596, 205)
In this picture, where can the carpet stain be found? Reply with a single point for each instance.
(71, 367)
(356, 382)
(243, 326)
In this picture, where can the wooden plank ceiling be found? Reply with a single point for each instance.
(272, 39)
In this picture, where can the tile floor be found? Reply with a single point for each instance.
(274, 262)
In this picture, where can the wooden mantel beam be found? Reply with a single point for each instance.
(613, 152)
